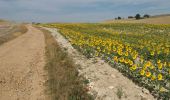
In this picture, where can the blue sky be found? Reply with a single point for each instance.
(78, 10)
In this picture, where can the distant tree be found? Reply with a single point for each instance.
(119, 18)
(146, 16)
(138, 16)
(130, 17)
(38, 23)
(115, 18)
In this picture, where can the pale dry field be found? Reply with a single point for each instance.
(156, 20)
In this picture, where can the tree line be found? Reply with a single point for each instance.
(137, 17)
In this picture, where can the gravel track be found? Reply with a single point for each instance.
(21, 67)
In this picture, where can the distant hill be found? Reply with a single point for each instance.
(1, 20)
(162, 15)
(156, 19)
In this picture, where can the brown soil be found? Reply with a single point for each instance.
(21, 67)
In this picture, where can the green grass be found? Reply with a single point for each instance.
(119, 92)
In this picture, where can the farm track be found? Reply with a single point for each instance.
(21, 67)
(105, 82)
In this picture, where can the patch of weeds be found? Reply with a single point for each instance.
(119, 92)
(86, 81)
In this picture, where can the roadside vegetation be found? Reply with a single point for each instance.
(7, 33)
(63, 81)
(139, 51)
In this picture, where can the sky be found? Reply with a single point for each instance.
(78, 10)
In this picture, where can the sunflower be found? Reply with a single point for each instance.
(114, 49)
(120, 53)
(159, 61)
(148, 63)
(165, 63)
(159, 76)
(121, 59)
(133, 67)
(152, 53)
(130, 62)
(152, 67)
(134, 57)
(98, 48)
(153, 77)
(115, 58)
(160, 65)
(148, 74)
(96, 54)
(145, 67)
(142, 72)
(126, 61)
(126, 54)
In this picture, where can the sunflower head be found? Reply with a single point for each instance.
(148, 74)
(153, 77)
(159, 76)
(142, 72)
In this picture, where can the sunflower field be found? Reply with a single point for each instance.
(139, 51)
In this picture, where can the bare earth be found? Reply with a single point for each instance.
(21, 67)
(104, 80)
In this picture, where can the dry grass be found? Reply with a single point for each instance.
(156, 20)
(12, 33)
(63, 80)
(1, 20)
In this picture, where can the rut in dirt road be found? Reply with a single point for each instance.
(21, 67)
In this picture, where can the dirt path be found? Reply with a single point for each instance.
(105, 82)
(21, 67)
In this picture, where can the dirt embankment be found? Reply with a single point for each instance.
(21, 67)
